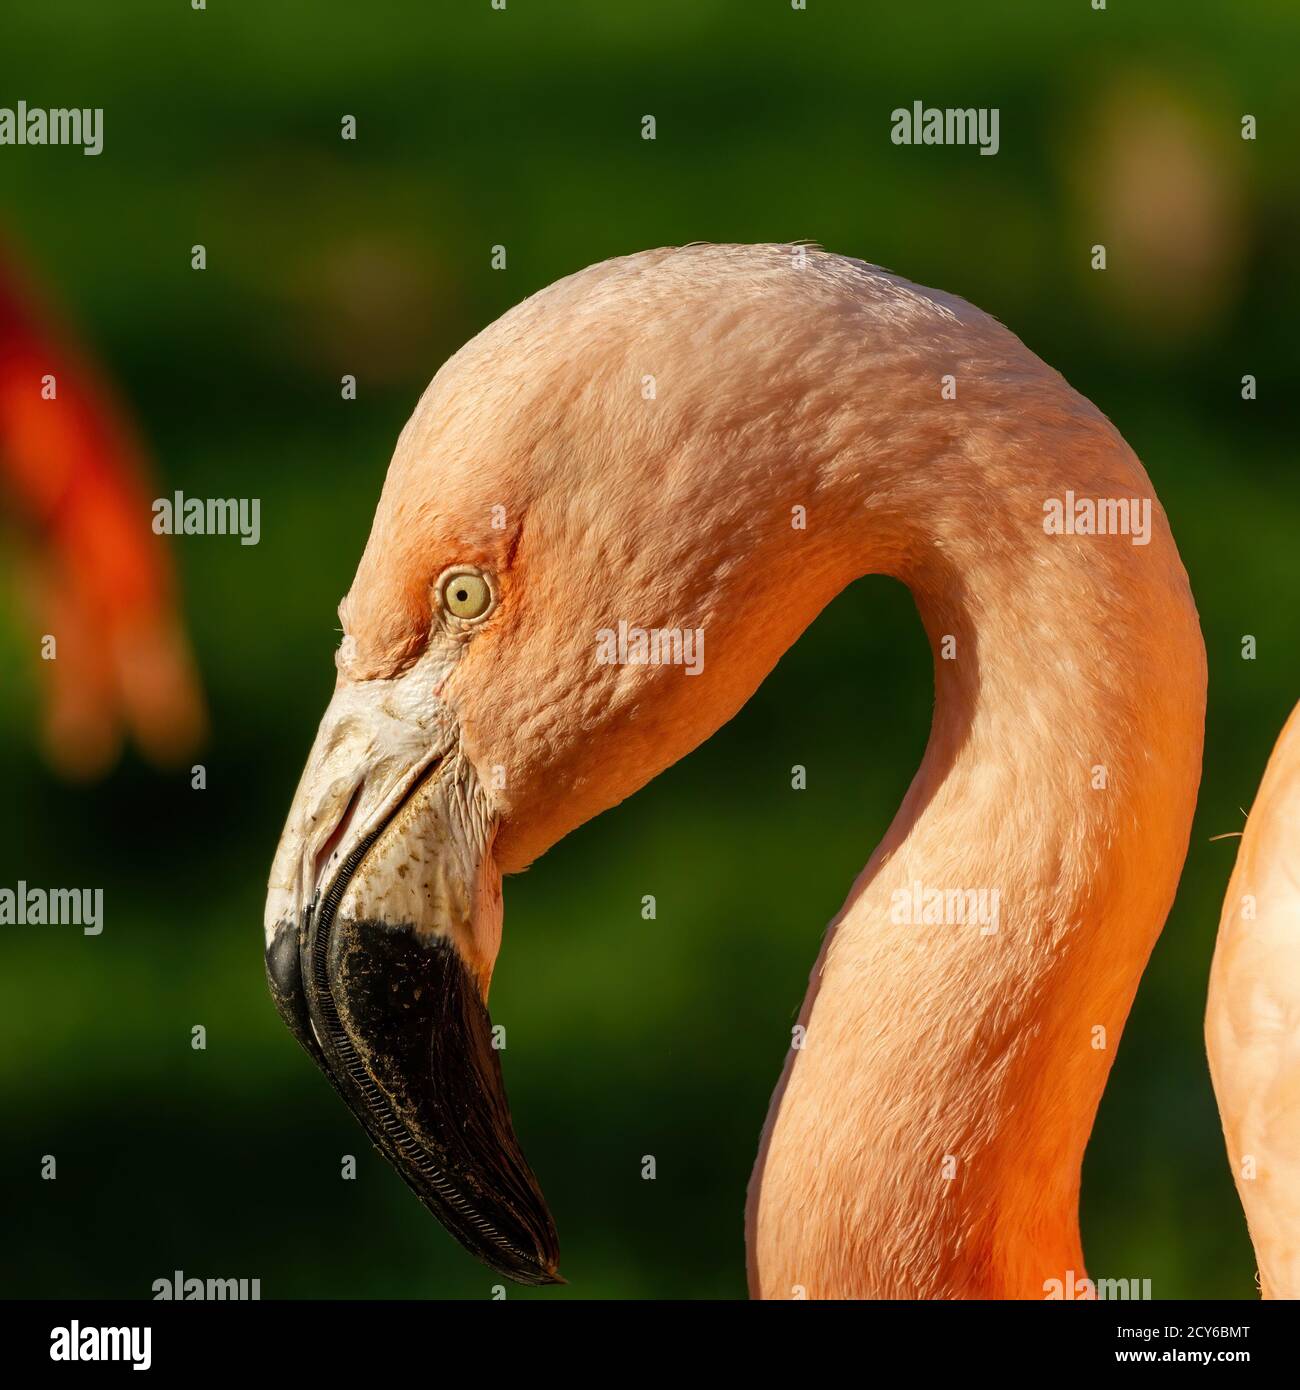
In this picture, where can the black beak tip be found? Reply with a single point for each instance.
(397, 1024)
(533, 1275)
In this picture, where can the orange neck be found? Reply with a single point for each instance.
(927, 1136)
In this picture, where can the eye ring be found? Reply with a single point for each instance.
(466, 594)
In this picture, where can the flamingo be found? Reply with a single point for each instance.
(1250, 1020)
(716, 440)
(75, 478)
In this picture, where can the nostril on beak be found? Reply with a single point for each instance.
(326, 851)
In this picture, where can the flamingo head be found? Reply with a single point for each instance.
(582, 472)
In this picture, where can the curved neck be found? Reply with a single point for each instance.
(927, 1137)
(814, 420)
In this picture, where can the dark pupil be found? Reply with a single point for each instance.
(462, 595)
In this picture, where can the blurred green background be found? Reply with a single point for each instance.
(522, 127)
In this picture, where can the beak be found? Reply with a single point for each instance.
(382, 925)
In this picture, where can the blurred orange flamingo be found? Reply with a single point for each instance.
(95, 576)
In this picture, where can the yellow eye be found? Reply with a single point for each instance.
(466, 596)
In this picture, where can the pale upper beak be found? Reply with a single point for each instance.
(383, 919)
